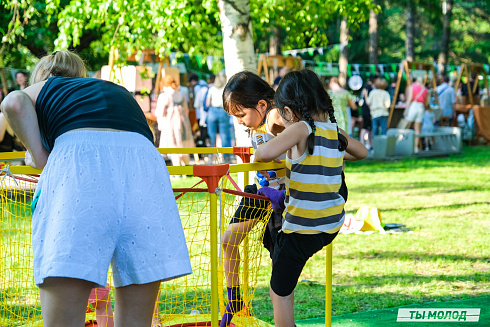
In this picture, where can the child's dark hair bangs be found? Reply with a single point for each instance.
(244, 90)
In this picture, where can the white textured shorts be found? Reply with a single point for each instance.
(106, 198)
(416, 112)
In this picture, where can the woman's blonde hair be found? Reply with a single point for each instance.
(60, 63)
(168, 80)
(381, 83)
(220, 80)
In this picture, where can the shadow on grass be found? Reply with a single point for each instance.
(471, 156)
(445, 207)
(388, 317)
(412, 256)
(346, 299)
(419, 186)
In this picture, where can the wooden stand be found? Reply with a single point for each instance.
(148, 55)
(270, 66)
(481, 111)
(407, 66)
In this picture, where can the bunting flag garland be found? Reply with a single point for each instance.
(209, 61)
(356, 68)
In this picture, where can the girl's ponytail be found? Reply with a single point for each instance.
(311, 138)
(304, 93)
(342, 139)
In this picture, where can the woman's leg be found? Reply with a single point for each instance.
(224, 130)
(383, 124)
(417, 128)
(212, 122)
(135, 304)
(155, 320)
(375, 126)
(64, 301)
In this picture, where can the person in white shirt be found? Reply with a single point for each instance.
(218, 120)
(379, 102)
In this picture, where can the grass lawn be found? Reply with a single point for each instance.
(444, 201)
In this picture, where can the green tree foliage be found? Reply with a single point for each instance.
(91, 27)
(305, 23)
(163, 25)
(193, 26)
(469, 40)
(35, 36)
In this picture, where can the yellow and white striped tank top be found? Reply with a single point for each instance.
(277, 176)
(313, 203)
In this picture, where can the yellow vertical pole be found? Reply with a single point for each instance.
(214, 259)
(328, 287)
(221, 266)
(245, 257)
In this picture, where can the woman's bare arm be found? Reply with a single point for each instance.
(18, 108)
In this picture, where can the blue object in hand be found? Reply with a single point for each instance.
(275, 196)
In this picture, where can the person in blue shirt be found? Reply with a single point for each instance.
(447, 97)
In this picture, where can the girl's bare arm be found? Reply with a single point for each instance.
(293, 135)
(355, 149)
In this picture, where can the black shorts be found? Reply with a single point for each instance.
(290, 255)
(256, 209)
(270, 233)
(344, 192)
(250, 208)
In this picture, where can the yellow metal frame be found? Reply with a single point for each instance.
(217, 299)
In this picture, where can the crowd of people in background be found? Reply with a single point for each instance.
(424, 107)
(193, 115)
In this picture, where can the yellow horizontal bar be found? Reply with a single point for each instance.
(181, 170)
(12, 155)
(25, 170)
(21, 154)
(254, 166)
(188, 170)
(197, 150)
(174, 170)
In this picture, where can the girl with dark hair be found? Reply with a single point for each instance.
(251, 100)
(314, 211)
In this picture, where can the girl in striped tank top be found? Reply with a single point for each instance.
(314, 212)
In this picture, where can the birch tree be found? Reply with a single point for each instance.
(236, 26)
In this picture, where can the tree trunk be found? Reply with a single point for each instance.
(409, 31)
(344, 52)
(236, 25)
(275, 41)
(447, 10)
(373, 37)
